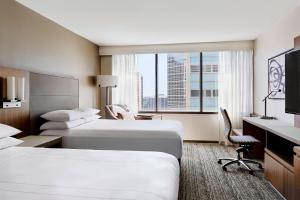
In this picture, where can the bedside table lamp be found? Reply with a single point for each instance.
(107, 81)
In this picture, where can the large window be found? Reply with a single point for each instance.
(146, 82)
(178, 82)
(210, 63)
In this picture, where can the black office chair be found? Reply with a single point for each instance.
(245, 143)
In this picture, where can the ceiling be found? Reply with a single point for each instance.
(139, 22)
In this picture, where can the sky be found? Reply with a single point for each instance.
(146, 66)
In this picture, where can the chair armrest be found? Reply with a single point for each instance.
(109, 114)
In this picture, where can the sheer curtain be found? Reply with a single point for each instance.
(236, 84)
(125, 67)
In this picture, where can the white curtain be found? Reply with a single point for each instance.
(125, 67)
(236, 84)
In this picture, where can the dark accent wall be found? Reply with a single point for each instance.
(32, 42)
(16, 117)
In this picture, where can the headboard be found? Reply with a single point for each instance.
(48, 93)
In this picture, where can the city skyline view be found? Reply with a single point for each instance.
(178, 76)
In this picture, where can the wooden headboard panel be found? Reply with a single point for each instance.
(48, 93)
(43, 93)
(16, 117)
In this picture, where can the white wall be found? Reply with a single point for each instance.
(276, 40)
(31, 42)
(203, 127)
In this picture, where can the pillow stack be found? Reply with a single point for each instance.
(5, 139)
(66, 119)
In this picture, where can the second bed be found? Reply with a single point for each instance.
(139, 135)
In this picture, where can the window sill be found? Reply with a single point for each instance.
(201, 113)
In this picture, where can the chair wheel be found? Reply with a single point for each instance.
(224, 169)
(219, 161)
(251, 172)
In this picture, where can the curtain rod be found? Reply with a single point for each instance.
(173, 48)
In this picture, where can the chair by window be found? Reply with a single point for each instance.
(119, 112)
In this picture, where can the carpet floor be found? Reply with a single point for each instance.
(203, 178)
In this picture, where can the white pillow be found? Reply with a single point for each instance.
(87, 112)
(62, 115)
(9, 142)
(6, 131)
(92, 118)
(51, 125)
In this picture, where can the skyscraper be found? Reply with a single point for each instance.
(184, 81)
(140, 88)
(210, 81)
(178, 81)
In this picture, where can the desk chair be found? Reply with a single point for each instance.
(245, 142)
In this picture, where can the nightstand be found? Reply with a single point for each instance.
(41, 141)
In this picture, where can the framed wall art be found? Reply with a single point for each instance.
(276, 76)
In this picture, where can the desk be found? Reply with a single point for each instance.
(274, 135)
(280, 142)
(297, 170)
(280, 128)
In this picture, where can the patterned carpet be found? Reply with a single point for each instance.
(203, 178)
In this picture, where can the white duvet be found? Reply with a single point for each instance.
(137, 135)
(71, 174)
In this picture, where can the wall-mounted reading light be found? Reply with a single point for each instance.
(11, 89)
(15, 92)
(21, 89)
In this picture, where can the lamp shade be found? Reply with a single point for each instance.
(107, 81)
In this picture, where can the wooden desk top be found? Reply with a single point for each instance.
(278, 127)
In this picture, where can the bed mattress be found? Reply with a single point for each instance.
(72, 174)
(137, 135)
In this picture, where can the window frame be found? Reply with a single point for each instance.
(178, 112)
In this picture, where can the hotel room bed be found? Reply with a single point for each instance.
(139, 135)
(72, 174)
(49, 93)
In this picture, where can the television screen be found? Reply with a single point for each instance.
(292, 82)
